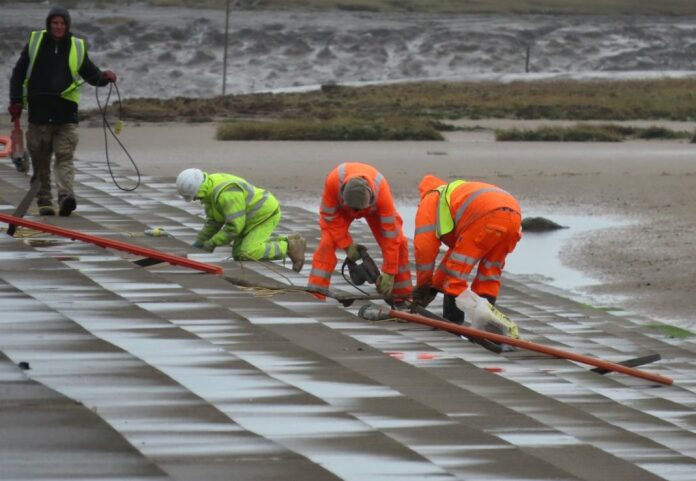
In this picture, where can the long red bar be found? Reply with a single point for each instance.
(531, 346)
(112, 244)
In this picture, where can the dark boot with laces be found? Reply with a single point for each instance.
(66, 204)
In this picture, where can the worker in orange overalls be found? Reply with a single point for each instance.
(354, 190)
(480, 223)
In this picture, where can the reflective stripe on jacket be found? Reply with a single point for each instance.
(443, 218)
(76, 56)
(335, 218)
(232, 206)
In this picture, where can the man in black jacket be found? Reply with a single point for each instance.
(47, 79)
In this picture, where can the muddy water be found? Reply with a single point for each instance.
(167, 52)
(538, 253)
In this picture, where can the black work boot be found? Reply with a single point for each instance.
(45, 207)
(490, 299)
(66, 205)
(450, 311)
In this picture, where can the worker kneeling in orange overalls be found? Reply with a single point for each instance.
(480, 223)
(354, 190)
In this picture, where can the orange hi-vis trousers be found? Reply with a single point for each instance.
(486, 242)
(324, 261)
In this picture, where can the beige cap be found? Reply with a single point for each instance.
(357, 193)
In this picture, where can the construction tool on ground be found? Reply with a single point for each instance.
(368, 311)
(155, 257)
(24, 204)
(345, 299)
(20, 157)
(485, 343)
(148, 261)
(372, 313)
(5, 146)
(112, 244)
(634, 362)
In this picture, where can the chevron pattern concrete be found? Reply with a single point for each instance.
(163, 373)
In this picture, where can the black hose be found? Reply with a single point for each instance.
(107, 126)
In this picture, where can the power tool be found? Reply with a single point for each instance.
(19, 156)
(362, 270)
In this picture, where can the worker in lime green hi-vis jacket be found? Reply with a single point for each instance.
(240, 214)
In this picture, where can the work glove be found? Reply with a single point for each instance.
(385, 284)
(206, 246)
(15, 110)
(352, 252)
(109, 76)
(424, 295)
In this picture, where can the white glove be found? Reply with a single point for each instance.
(484, 316)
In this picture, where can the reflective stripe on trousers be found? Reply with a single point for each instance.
(402, 280)
(486, 242)
(324, 263)
(257, 244)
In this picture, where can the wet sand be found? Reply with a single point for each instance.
(648, 264)
(169, 52)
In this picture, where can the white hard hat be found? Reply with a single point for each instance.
(188, 182)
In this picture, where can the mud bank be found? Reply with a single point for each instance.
(168, 52)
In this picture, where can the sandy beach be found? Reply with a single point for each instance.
(647, 264)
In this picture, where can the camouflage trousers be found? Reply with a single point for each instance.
(45, 142)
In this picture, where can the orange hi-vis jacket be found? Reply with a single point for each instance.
(479, 222)
(385, 222)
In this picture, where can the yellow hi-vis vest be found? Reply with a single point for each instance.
(255, 198)
(445, 221)
(75, 59)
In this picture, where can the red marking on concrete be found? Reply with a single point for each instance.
(531, 346)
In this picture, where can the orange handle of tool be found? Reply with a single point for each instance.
(531, 346)
(5, 146)
(17, 136)
(112, 244)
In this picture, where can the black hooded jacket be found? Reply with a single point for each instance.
(50, 76)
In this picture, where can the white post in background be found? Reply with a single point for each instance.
(224, 55)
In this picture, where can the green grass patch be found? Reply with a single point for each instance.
(672, 331)
(663, 99)
(557, 134)
(588, 133)
(602, 308)
(331, 129)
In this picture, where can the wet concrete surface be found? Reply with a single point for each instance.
(165, 373)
